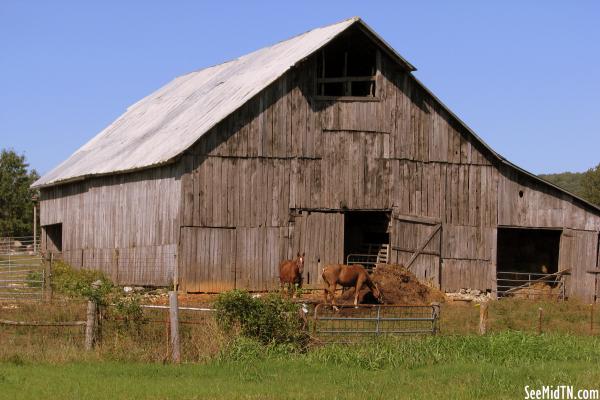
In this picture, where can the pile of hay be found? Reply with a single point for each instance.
(536, 291)
(398, 286)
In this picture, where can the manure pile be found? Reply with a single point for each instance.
(398, 286)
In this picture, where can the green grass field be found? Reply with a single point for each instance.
(497, 366)
(280, 379)
(50, 362)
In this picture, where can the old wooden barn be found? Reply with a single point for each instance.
(324, 143)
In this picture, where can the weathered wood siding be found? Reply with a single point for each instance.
(318, 233)
(525, 203)
(126, 225)
(286, 151)
(408, 237)
(578, 253)
(276, 176)
(209, 263)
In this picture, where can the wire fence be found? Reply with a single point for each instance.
(71, 326)
(21, 268)
(19, 245)
(58, 329)
(145, 266)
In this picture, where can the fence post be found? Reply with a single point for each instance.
(436, 317)
(540, 314)
(34, 225)
(592, 318)
(90, 325)
(174, 317)
(316, 319)
(378, 319)
(47, 278)
(483, 318)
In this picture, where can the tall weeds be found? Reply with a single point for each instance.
(506, 348)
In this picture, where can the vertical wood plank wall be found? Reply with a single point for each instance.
(211, 259)
(126, 225)
(407, 237)
(284, 154)
(285, 151)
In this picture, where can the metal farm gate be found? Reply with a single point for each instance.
(21, 269)
(349, 323)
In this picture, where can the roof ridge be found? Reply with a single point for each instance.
(353, 19)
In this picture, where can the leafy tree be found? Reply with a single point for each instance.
(570, 181)
(16, 205)
(590, 183)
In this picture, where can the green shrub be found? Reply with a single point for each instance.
(271, 319)
(128, 311)
(78, 282)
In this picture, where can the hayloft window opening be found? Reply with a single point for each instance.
(347, 68)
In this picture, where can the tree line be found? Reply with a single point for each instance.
(16, 195)
(583, 184)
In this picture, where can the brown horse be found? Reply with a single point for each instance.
(347, 276)
(290, 272)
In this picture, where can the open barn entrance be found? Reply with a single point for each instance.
(53, 237)
(526, 257)
(366, 237)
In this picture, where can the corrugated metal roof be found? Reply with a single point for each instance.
(161, 126)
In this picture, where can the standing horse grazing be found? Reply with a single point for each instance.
(347, 276)
(290, 272)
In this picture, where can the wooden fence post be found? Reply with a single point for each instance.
(47, 278)
(592, 318)
(540, 314)
(90, 325)
(483, 318)
(174, 318)
(436, 318)
(35, 238)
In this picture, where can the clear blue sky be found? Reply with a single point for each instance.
(524, 75)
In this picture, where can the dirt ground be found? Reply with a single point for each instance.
(184, 299)
(397, 284)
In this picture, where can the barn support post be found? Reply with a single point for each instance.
(34, 224)
(174, 322)
(483, 318)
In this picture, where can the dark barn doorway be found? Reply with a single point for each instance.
(366, 237)
(53, 237)
(525, 255)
